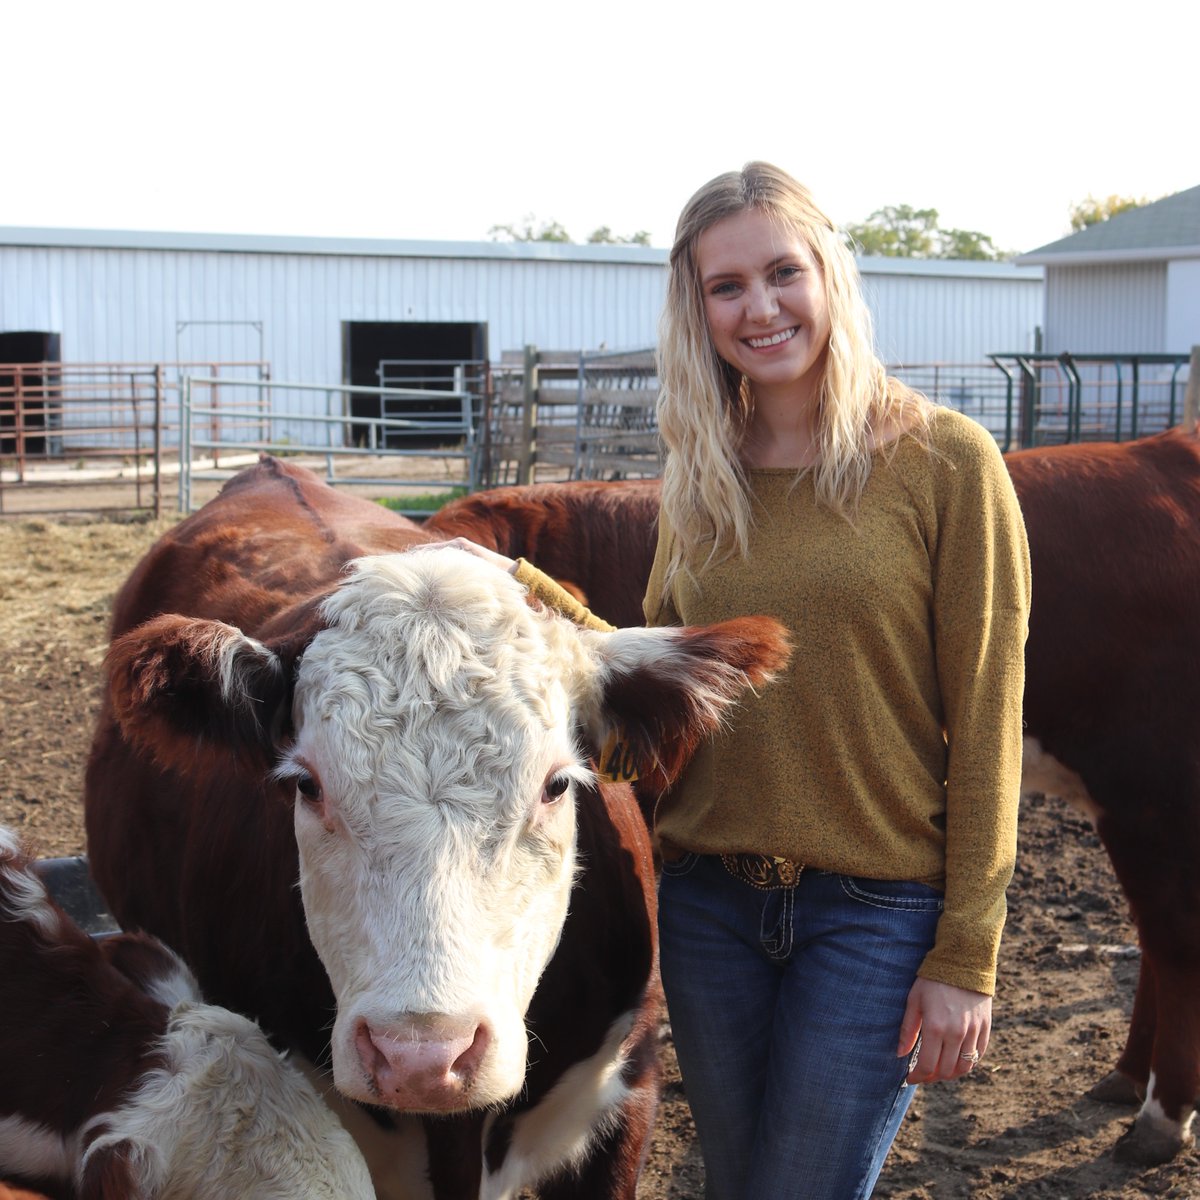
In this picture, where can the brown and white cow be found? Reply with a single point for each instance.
(119, 1083)
(1112, 693)
(583, 533)
(406, 737)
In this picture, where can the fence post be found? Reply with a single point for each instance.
(1029, 404)
(185, 445)
(160, 388)
(1191, 398)
(19, 423)
(529, 418)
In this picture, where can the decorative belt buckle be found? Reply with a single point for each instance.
(767, 872)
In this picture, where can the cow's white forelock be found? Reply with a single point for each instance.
(226, 1117)
(432, 707)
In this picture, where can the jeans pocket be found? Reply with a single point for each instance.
(680, 866)
(899, 894)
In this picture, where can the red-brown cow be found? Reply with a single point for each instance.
(1112, 692)
(118, 1083)
(598, 533)
(290, 701)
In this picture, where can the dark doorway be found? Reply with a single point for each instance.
(430, 355)
(42, 389)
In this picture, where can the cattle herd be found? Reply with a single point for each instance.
(346, 779)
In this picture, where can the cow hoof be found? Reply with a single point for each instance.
(1148, 1145)
(1116, 1088)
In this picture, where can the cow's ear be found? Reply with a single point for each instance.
(660, 692)
(185, 689)
(125, 1169)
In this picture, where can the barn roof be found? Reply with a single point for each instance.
(241, 243)
(1168, 228)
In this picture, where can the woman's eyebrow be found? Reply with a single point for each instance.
(734, 272)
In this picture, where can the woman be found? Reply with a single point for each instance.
(835, 861)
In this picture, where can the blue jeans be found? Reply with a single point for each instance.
(785, 1008)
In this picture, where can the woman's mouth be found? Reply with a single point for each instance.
(775, 339)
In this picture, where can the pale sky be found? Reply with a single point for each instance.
(439, 119)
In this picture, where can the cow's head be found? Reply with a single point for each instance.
(440, 722)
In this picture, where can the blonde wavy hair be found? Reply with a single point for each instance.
(705, 406)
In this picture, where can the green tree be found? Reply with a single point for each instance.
(1092, 211)
(901, 231)
(605, 236)
(528, 231)
(897, 231)
(531, 229)
(970, 244)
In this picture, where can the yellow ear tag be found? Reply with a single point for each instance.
(616, 760)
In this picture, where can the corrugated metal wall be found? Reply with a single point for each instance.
(166, 298)
(1183, 305)
(117, 305)
(1120, 308)
(949, 316)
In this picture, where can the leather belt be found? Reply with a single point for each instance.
(767, 872)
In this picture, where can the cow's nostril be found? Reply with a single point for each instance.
(467, 1063)
(369, 1054)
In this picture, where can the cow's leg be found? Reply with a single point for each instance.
(614, 1161)
(1164, 1125)
(1127, 1083)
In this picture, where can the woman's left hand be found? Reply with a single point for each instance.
(953, 1025)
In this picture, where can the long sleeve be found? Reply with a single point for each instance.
(981, 599)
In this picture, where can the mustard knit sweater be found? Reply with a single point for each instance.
(890, 747)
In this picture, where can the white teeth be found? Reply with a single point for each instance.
(759, 343)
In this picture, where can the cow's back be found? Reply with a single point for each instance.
(598, 536)
(275, 534)
(1113, 661)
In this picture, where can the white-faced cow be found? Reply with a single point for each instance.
(118, 1083)
(407, 737)
(1112, 692)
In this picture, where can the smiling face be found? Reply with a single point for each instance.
(765, 303)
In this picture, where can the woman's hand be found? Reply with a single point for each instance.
(953, 1026)
(460, 543)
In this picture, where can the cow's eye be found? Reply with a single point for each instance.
(308, 788)
(555, 786)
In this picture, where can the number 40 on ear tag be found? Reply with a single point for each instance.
(616, 760)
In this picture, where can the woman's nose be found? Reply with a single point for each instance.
(761, 302)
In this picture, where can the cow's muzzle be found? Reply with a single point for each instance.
(422, 1062)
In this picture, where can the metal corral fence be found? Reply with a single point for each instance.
(572, 415)
(537, 416)
(71, 426)
(591, 416)
(439, 429)
(1029, 400)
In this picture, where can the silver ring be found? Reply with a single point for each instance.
(973, 1057)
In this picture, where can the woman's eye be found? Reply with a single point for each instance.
(556, 786)
(308, 788)
(786, 274)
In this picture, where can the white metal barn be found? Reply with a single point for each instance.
(328, 311)
(1127, 285)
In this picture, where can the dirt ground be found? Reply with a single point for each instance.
(1019, 1126)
